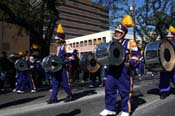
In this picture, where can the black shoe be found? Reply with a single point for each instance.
(52, 101)
(68, 99)
(163, 95)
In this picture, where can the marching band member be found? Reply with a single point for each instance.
(97, 74)
(119, 78)
(60, 76)
(73, 65)
(94, 76)
(166, 77)
(21, 76)
(24, 76)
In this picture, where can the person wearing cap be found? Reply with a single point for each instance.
(165, 76)
(120, 78)
(60, 76)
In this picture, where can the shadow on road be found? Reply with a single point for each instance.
(154, 91)
(73, 113)
(84, 93)
(17, 102)
(137, 100)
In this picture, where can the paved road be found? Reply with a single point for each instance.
(88, 102)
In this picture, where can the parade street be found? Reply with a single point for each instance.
(87, 101)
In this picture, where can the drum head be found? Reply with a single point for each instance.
(56, 63)
(167, 55)
(21, 65)
(92, 66)
(52, 63)
(45, 64)
(117, 53)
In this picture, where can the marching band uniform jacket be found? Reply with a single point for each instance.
(60, 76)
(120, 78)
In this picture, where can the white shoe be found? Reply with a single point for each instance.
(14, 90)
(124, 114)
(91, 86)
(50, 90)
(33, 91)
(106, 112)
(19, 91)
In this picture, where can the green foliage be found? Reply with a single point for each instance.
(31, 15)
(153, 16)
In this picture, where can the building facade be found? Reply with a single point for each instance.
(88, 43)
(13, 38)
(80, 18)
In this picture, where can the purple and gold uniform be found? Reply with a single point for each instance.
(167, 77)
(61, 75)
(24, 78)
(120, 78)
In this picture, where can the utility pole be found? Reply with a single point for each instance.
(132, 8)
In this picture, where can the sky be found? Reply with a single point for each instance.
(138, 3)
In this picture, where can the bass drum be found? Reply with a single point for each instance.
(111, 53)
(21, 65)
(52, 63)
(88, 63)
(159, 56)
(173, 43)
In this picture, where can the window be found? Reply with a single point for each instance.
(85, 43)
(104, 39)
(73, 45)
(90, 42)
(81, 44)
(77, 44)
(99, 41)
(94, 43)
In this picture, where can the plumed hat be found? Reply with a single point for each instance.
(21, 54)
(125, 23)
(60, 33)
(171, 32)
(35, 46)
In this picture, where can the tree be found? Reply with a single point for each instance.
(154, 16)
(31, 15)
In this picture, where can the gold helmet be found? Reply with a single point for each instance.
(171, 32)
(125, 23)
